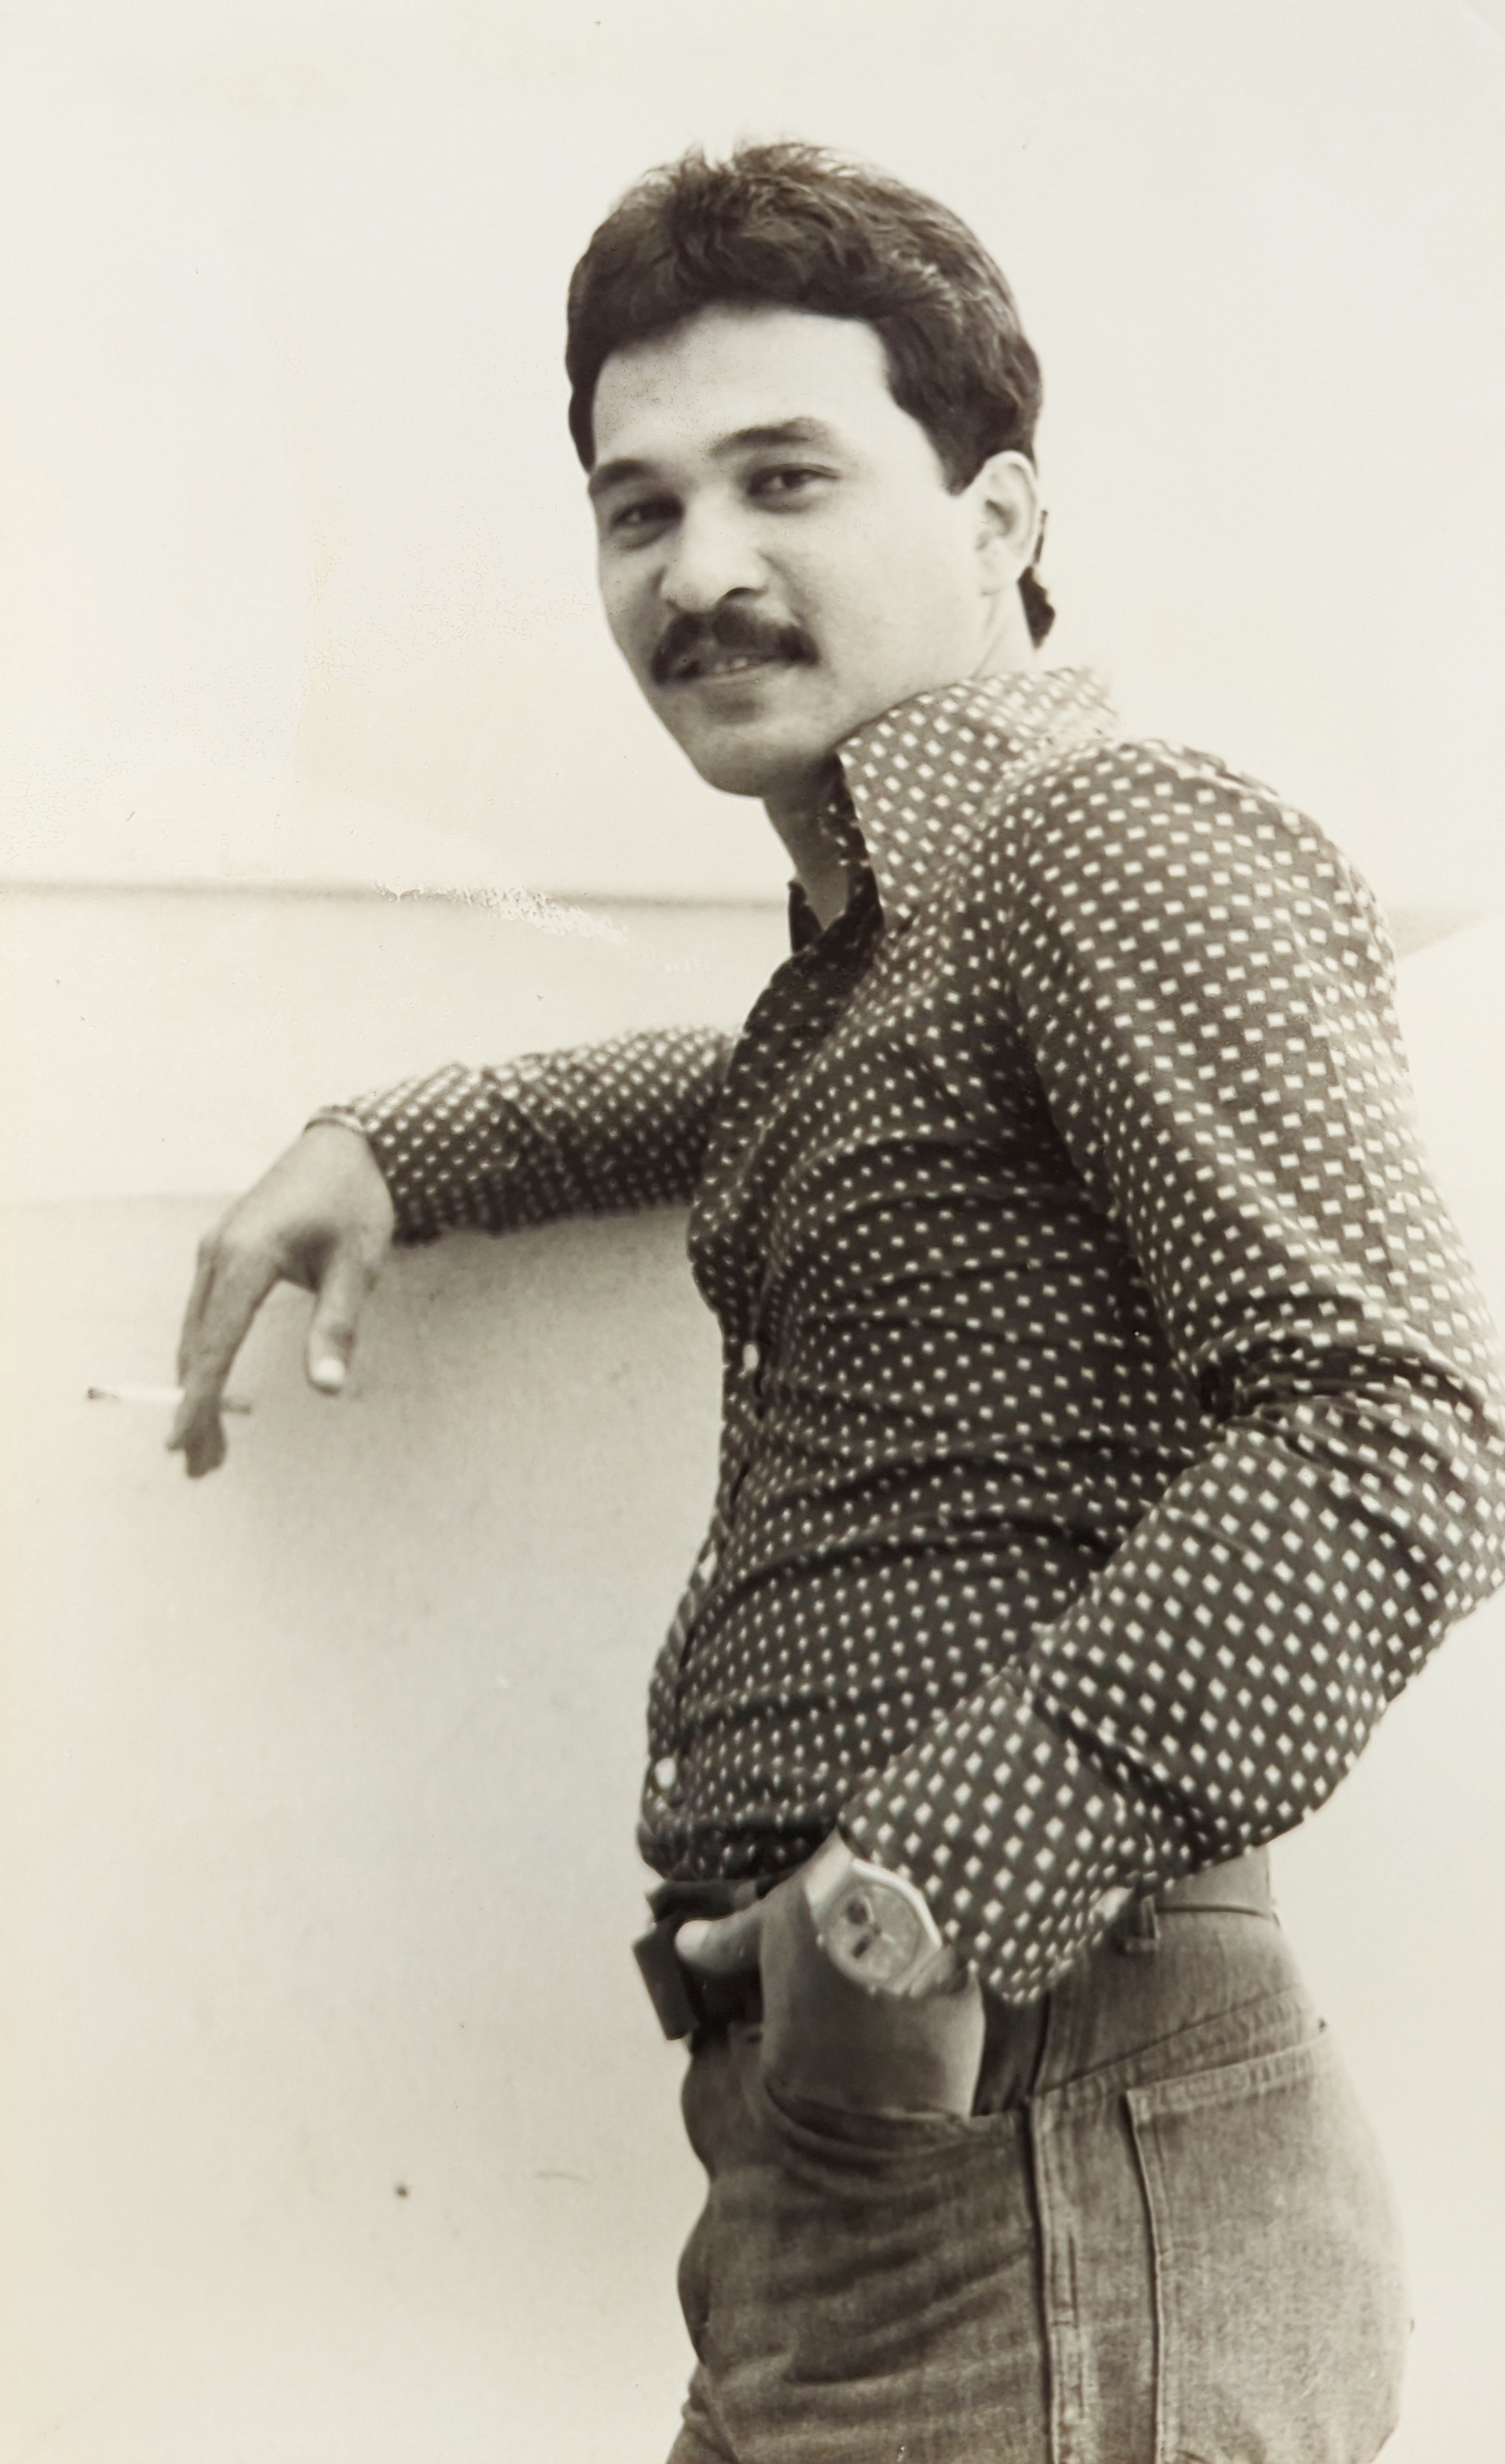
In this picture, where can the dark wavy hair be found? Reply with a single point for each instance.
(796, 227)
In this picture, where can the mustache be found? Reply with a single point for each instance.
(744, 631)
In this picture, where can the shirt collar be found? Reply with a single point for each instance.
(910, 781)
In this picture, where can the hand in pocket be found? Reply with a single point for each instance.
(831, 2041)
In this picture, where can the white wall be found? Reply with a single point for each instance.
(333, 2121)
(318, 1779)
(298, 573)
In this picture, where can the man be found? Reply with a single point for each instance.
(1108, 1421)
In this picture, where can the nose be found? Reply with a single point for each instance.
(711, 557)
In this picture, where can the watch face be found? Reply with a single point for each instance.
(874, 1935)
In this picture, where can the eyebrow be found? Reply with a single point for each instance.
(743, 440)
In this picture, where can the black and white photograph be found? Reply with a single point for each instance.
(753, 1196)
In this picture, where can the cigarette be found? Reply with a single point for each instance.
(171, 1396)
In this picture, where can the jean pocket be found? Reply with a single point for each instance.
(865, 2287)
(1280, 2311)
(858, 2144)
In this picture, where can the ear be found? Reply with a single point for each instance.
(1006, 495)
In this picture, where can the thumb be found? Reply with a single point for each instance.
(342, 1294)
(722, 1945)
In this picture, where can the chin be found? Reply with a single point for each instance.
(737, 773)
(754, 759)
(749, 769)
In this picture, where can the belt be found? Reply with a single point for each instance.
(1240, 1888)
(685, 2000)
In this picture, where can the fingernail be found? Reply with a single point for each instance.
(329, 1375)
(690, 1937)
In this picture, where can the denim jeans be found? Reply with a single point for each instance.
(1162, 2237)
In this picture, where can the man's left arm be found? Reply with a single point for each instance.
(1206, 990)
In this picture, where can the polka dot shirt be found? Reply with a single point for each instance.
(1109, 1429)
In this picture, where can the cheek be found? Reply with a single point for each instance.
(622, 608)
(942, 603)
(907, 573)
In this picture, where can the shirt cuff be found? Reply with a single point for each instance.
(1021, 1847)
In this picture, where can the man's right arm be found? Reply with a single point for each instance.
(601, 1129)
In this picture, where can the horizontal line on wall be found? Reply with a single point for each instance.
(494, 895)
(1412, 928)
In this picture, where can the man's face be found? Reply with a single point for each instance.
(780, 556)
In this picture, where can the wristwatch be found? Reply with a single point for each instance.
(875, 1927)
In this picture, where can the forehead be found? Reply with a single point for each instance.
(734, 367)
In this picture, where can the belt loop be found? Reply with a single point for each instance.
(1138, 1931)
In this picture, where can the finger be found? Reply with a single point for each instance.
(238, 1285)
(199, 1437)
(198, 1297)
(233, 1292)
(197, 1432)
(722, 1945)
(342, 1294)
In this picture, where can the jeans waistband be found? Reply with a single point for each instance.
(1241, 1887)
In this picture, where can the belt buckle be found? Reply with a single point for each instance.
(684, 1999)
(671, 1985)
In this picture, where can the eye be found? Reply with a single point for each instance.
(640, 517)
(785, 483)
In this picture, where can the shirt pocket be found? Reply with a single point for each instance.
(1279, 2304)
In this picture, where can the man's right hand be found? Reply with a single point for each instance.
(322, 1217)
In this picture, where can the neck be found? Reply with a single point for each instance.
(821, 865)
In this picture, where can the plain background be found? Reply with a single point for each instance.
(297, 559)
(331, 2127)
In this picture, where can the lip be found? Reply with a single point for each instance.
(725, 666)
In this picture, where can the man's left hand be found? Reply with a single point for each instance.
(830, 2040)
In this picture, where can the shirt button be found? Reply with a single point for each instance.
(751, 1357)
(666, 1774)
